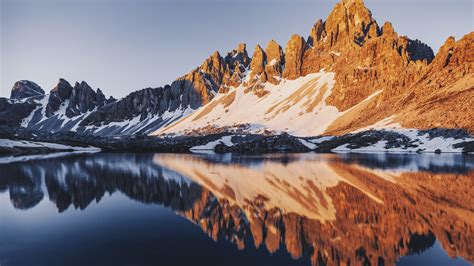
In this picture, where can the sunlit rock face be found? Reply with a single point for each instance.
(335, 210)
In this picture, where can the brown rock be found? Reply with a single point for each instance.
(294, 52)
(387, 29)
(317, 33)
(349, 21)
(257, 66)
(275, 61)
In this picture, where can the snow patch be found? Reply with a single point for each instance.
(227, 140)
(308, 144)
(422, 143)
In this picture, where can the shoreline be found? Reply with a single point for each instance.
(434, 141)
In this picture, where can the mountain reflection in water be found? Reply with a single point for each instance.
(332, 209)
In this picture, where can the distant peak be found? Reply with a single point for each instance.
(317, 32)
(61, 83)
(238, 56)
(241, 47)
(387, 29)
(272, 44)
(216, 54)
(274, 51)
(25, 88)
(450, 40)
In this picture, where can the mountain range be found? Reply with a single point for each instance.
(351, 74)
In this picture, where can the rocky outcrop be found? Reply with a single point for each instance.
(317, 33)
(364, 57)
(58, 96)
(76, 100)
(275, 62)
(350, 21)
(294, 52)
(84, 99)
(237, 61)
(257, 66)
(24, 89)
(191, 91)
(238, 57)
(145, 102)
(267, 65)
(444, 93)
(12, 113)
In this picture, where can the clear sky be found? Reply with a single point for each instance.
(124, 45)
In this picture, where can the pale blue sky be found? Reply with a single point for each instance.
(125, 45)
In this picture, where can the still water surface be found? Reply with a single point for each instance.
(177, 209)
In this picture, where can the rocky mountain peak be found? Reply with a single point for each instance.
(446, 51)
(450, 42)
(274, 51)
(275, 62)
(241, 48)
(454, 54)
(60, 93)
(238, 56)
(83, 99)
(294, 53)
(317, 33)
(62, 89)
(77, 100)
(214, 65)
(24, 89)
(350, 20)
(257, 65)
(388, 30)
(216, 59)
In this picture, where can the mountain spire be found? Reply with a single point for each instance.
(350, 20)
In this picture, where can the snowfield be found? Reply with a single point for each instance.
(297, 107)
(292, 106)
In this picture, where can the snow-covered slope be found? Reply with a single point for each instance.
(297, 107)
(60, 122)
(136, 125)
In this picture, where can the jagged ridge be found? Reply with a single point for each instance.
(366, 59)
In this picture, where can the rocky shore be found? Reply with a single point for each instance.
(426, 141)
